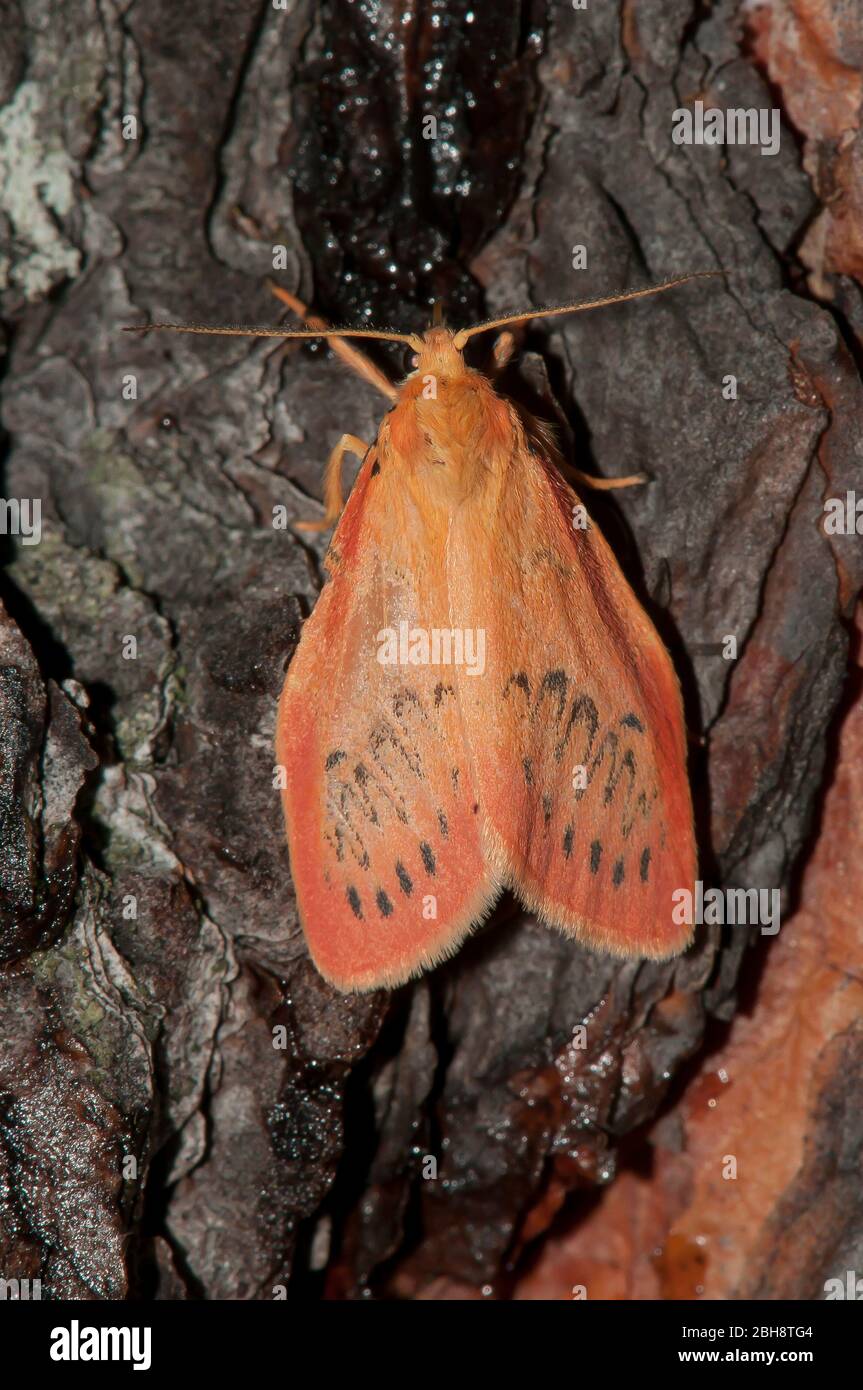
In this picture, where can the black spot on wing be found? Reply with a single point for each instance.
(454, 776)
(362, 779)
(404, 878)
(354, 901)
(645, 864)
(385, 740)
(376, 468)
(554, 683)
(519, 679)
(618, 766)
(595, 856)
(632, 721)
(334, 758)
(442, 822)
(428, 858)
(385, 907)
(406, 701)
(617, 873)
(546, 809)
(583, 714)
(567, 841)
(527, 764)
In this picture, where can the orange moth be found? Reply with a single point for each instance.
(478, 700)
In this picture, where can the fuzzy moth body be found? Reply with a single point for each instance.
(477, 702)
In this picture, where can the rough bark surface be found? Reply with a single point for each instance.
(154, 1141)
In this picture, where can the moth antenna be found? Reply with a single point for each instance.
(239, 331)
(461, 337)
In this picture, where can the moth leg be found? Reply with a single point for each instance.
(333, 497)
(609, 484)
(355, 359)
(504, 347)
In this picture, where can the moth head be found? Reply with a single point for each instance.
(436, 352)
